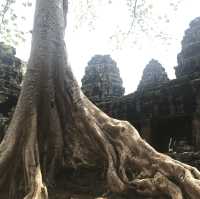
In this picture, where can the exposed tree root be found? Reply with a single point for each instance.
(55, 129)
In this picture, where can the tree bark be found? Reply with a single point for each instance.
(58, 143)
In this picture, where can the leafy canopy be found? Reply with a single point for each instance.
(141, 18)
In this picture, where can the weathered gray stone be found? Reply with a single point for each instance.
(10, 80)
(189, 57)
(102, 81)
(153, 75)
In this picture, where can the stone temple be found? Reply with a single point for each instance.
(165, 112)
(102, 80)
(153, 75)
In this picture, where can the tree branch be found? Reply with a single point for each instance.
(4, 11)
(65, 10)
(135, 15)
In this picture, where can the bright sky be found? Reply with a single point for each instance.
(84, 42)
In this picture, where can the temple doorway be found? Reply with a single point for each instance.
(168, 134)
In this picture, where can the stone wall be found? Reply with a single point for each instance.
(189, 57)
(191, 158)
(166, 112)
(10, 80)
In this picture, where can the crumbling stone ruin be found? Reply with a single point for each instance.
(102, 81)
(166, 112)
(153, 75)
(189, 57)
(10, 80)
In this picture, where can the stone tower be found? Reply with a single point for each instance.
(10, 79)
(189, 57)
(102, 81)
(153, 75)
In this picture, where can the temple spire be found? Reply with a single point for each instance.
(102, 81)
(153, 75)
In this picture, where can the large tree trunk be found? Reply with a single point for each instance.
(59, 143)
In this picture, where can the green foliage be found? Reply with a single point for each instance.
(144, 18)
(148, 19)
(10, 31)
